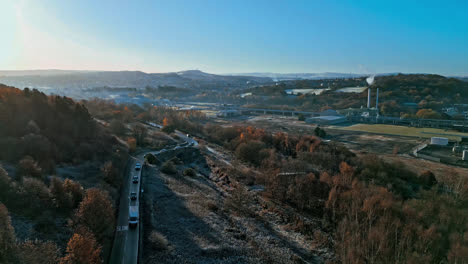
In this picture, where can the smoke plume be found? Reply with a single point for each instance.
(370, 79)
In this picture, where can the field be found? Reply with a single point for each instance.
(405, 131)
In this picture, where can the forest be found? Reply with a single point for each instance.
(47, 217)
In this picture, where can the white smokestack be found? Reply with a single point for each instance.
(377, 99)
(368, 97)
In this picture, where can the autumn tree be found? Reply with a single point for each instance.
(427, 114)
(75, 190)
(111, 174)
(38, 252)
(7, 236)
(5, 186)
(62, 199)
(36, 195)
(96, 213)
(139, 133)
(132, 144)
(82, 249)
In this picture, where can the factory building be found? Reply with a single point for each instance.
(440, 141)
(227, 113)
(326, 120)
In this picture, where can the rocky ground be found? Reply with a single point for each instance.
(190, 219)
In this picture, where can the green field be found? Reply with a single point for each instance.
(405, 131)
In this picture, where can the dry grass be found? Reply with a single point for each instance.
(405, 131)
(158, 241)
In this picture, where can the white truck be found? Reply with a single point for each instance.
(133, 216)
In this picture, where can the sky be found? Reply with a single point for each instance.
(236, 36)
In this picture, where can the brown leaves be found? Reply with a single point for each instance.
(82, 248)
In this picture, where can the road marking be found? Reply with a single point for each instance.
(122, 228)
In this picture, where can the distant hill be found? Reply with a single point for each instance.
(309, 76)
(58, 79)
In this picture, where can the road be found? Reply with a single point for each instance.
(125, 248)
(126, 241)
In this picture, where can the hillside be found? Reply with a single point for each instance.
(427, 91)
(58, 166)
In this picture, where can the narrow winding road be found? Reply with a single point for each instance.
(126, 241)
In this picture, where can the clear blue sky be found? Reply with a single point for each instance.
(223, 36)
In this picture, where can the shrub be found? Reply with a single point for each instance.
(168, 129)
(151, 159)
(239, 200)
(190, 172)
(301, 117)
(168, 167)
(251, 152)
(319, 132)
(158, 241)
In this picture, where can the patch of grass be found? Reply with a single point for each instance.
(405, 131)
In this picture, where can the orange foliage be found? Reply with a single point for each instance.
(82, 248)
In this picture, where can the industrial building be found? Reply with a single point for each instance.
(228, 113)
(440, 141)
(326, 120)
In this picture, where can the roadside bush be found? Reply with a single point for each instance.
(190, 172)
(168, 167)
(158, 241)
(239, 200)
(151, 159)
(168, 129)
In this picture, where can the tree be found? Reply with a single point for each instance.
(428, 179)
(427, 114)
(168, 129)
(301, 117)
(320, 132)
(38, 252)
(29, 167)
(75, 190)
(117, 127)
(36, 194)
(111, 174)
(139, 133)
(251, 152)
(61, 198)
(132, 144)
(7, 236)
(5, 185)
(82, 249)
(96, 213)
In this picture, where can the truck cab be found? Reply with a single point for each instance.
(133, 216)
